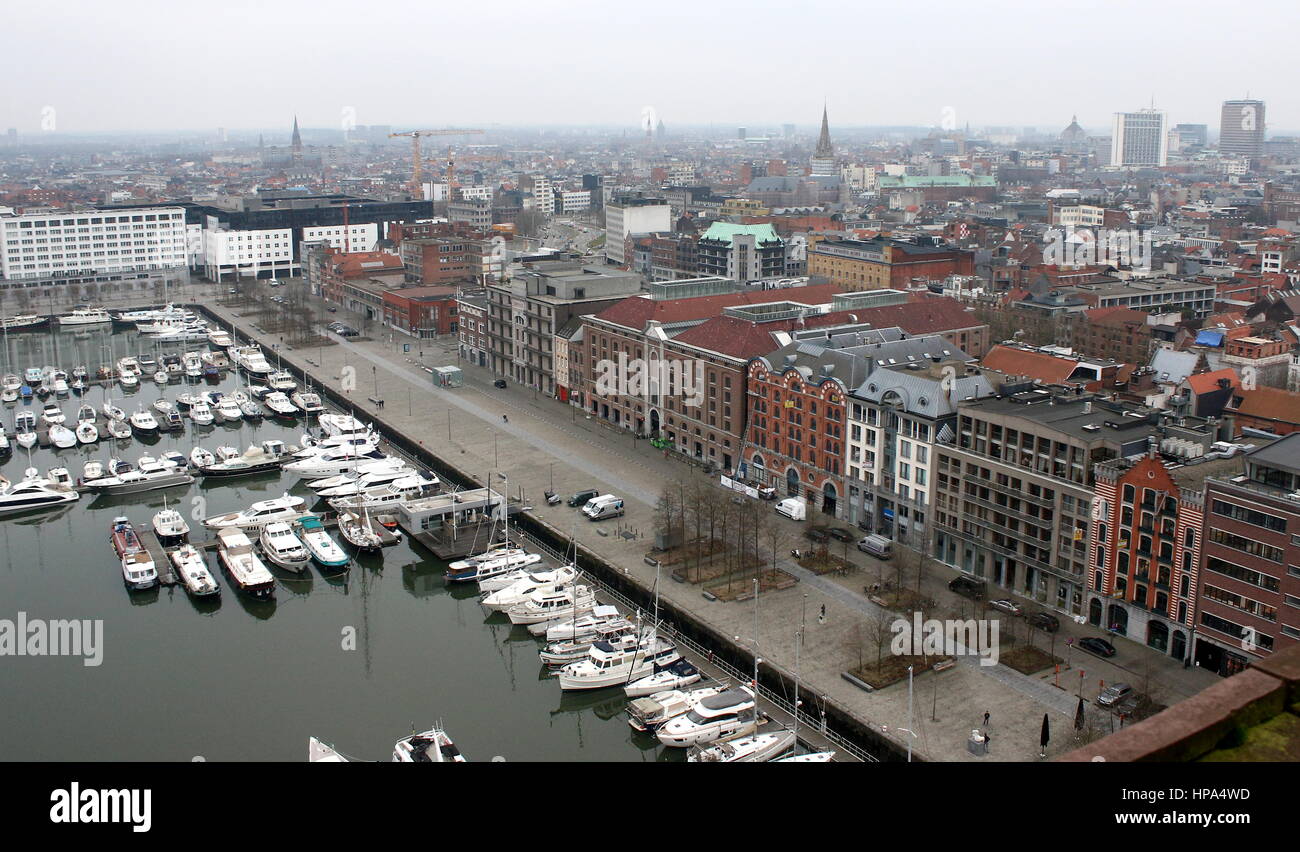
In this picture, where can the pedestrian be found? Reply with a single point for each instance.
(986, 718)
(823, 616)
(505, 419)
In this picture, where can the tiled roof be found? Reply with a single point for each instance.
(1012, 361)
(1269, 404)
(1209, 382)
(746, 339)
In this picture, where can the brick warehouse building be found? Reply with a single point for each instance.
(1249, 595)
(883, 262)
(421, 311)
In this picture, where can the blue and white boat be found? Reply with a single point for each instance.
(324, 549)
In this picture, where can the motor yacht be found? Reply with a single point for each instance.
(519, 591)
(332, 462)
(308, 402)
(496, 561)
(432, 746)
(281, 380)
(144, 423)
(280, 405)
(284, 508)
(649, 712)
(727, 714)
(235, 552)
(201, 414)
(85, 316)
(585, 626)
(170, 527)
(138, 569)
(281, 546)
(619, 662)
(52, 414)
(62, 437)
(674, 675)
(398, 491)
(34, 492)
(256, 459)
(544, 606)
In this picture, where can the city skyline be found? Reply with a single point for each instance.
(239, 78)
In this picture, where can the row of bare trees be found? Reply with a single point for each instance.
(711, 524)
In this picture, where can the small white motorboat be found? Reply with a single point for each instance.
(751, 748)
(201, 414)
(322, 547)
(193, 571)
(258, 515)
(200, 458)
(675, 675)
(119, 428)
(52, 414)
(87, 432)
(112, 412)
(170, 527)
(160, 377)
(144, 422)
(62, 437)
(432, 746)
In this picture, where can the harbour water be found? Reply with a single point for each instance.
(239, 679)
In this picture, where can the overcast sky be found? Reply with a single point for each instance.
(124, 65)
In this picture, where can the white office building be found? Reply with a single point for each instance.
(632, 216)
(91, 245)
(1139, 139)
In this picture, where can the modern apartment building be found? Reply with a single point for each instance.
(742, 253)
(525, 312)
(1014, 490)
(1139, 139)
(1249, 589)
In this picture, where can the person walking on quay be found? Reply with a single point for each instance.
(986, 718)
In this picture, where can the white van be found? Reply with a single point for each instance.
(878, 546)
(604, 506)
(793, 508)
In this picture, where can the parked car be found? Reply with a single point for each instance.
(817, 534)
(335, 326)
(840, 534)
(233, 290)
(581, 498)
(1045, 621)
(348, 331)
(1100, 647)
(499, 383)
(1114, 693)
(967, 588)
(1007, 605)
(332, 309)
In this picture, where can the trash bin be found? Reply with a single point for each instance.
(977, 744)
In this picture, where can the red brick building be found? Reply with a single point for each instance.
(421, 311)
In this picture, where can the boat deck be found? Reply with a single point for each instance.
(161, 561)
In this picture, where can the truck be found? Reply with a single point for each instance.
(604, 506)
(794, 508)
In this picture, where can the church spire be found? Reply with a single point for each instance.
(824, 146)
(297, 138)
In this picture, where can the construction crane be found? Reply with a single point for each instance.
(416, 187)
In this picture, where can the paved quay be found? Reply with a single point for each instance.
(548, 445)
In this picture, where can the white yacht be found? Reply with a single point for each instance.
(192, 365)
(25, 429)
(675, 675)
(432, 746)
(170, 527)
(332, 462)
(149, 475)
(251, 360)
(501, 560)
(308, 402)
(281, 380)
(651, 711)
(144, 422)
(193, 571)
(201, 458)
(546, 606)
(726, 714)
(11, 386)
(220, 338)
(129, 380)
(280, 405)
(365, 476)
(128, 366)
(284, 508)
(282, 547)
(85, 316)
(312, 447)
(567, 651)
(319, 751)
(751, 748)
(201, 413)
(235, 552)
(227, 410)
(648, 713)
(52, 414)
(322, 547)
(342, 424)
(616, 664)
(160, 377)
(59, 381)
(398, 491)
(586, 625)
(519, 591)
(34, 492)
(62, 437)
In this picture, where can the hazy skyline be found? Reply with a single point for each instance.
(139, 65)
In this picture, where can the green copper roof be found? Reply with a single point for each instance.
(726, 232)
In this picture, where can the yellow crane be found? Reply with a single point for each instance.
(415, 187)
